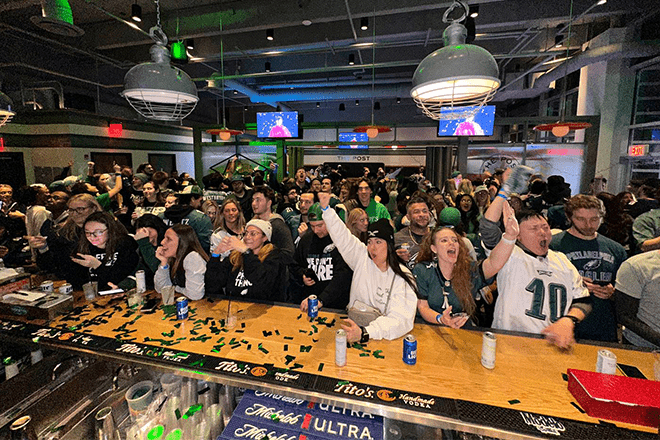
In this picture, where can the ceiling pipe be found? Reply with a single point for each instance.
(254, 95)
(591, 56)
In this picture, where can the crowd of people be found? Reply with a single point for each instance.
(512, 250)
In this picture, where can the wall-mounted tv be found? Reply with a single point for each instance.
(277, 125)
(481, 124)
(351, 141)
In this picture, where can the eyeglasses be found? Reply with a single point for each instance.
(96, 233)
(80, 210)
(254, 234)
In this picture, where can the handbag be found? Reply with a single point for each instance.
(363, 314)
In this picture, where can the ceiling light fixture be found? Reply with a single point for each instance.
(364, 23)
(190, 44)
(157, 90)
(457, 79)
(342, 107)
(56, 17)
(267, 66)
(136, 12)
(559, 40)
(270, 34)
(224, 132)
(351, 59)
(562, 128)
(474, 11)
(372, 129)
(318, 104)
(398, 100)
(357, 102)
(6, 113)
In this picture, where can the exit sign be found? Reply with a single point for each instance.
(638, 150)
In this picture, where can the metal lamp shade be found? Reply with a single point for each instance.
(6, 113)
(160, 91)
(458, 75)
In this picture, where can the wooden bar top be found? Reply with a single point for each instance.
(528, 375)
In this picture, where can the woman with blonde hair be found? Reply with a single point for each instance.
(448, 280)
(450, 192)
(465, 187)
(183, 262)
(231, 223)
(254, 268)
(211, 209)
(357, 223)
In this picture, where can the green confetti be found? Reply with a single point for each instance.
(301, 331)
(168, 334)
(305, 348)
(277, 332)
(364, 354)
(289, 359)
(321, 366)
(299, 316)
(377, 354)
(514, 402)
(289, 338)
(286, 347)
(316, 329)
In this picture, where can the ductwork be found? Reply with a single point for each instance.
(591, 56)
(319, 94)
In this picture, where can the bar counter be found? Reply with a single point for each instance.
(276, 348)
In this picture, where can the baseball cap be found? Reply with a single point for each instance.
(455, 174)
(194, 190)
(236, 178)
(481, 188)
(449, 216)
(315, 214)
(142, 177)
(265, 227)
(381, 228)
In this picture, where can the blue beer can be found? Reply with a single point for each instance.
(312, 307)
(182, 308)
(410, 350)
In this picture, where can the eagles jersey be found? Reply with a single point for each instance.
(534, 291)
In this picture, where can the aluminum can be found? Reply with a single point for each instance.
(46, 287)
(140, 282)
(410, 349)
(182, 308)
(312, 306)
(66, 289)
(606, 362)
(488, 350)
(340, 348)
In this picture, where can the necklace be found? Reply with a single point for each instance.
(411, 237)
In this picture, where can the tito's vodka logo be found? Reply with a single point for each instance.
(547, 425)
(259, 410)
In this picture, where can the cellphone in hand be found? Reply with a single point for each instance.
(309, 273)
(458, 315)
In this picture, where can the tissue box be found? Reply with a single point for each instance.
(625, 399)
(10, 281)
(46, 308)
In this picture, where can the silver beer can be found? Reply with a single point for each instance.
(488, 350)
(66, 289)
(46, 287)
(140, 282)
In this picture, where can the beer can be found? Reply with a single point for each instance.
(488, 350)
(66, 289)
(410, 349)
(606, 362)
(182, 308)
(340, 348)
(140, 282)
(312, 307)
(47, 287)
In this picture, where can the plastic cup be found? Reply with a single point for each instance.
(167, 293)
(214, 420)
(11, 370)
(188, 394)
(91, 289)
(171, 384)
(105, 424)
(139, 396)
(175, 434)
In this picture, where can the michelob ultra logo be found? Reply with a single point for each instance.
(546, 425)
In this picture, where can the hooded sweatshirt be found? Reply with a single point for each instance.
(187, 215)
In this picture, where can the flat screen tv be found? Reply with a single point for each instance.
(351, 141)
(277, 125)
(481, 124)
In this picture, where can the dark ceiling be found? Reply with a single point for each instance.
(309, 62)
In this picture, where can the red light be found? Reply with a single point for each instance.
(2, 144)
(638, 150)
(115, 130)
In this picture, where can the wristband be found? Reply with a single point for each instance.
(575, 320)
(438, 318)
(325, 209)
(503, 195)
(506, 240)
(215, 255)
(167, 266)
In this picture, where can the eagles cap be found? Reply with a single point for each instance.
(381, 228)
(315, 214)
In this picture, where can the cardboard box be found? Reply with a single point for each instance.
(46, 308)
(624, 399)
(14, 282)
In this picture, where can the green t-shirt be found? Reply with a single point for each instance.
(433, 287)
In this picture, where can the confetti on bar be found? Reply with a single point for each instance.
(577, 407)
(289, 359)
(235, 346)
(377, 354)
(296, 366)
(286, 347)
(266, 333)
(289, 338)
(514, 402)
(277, 332)
(315, 340)
(249, 347)
(305, 348)
(263, 349)
(242, 325)
(564, 376)
(168, 334)
(239, 331)
(299, 316)
(321, 366)
(364, 354)
(316, 329)
(301, 331)
(177, 325)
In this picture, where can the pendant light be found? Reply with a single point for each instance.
(157, 90)
(6, 112)
(561, 128)
(224, 132)
(457, 79)
(372, 129)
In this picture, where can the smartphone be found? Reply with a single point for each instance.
(150, 305)
(458, 315)
(630, 371)
(309, 273)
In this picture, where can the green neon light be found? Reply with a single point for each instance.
(178, 51)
